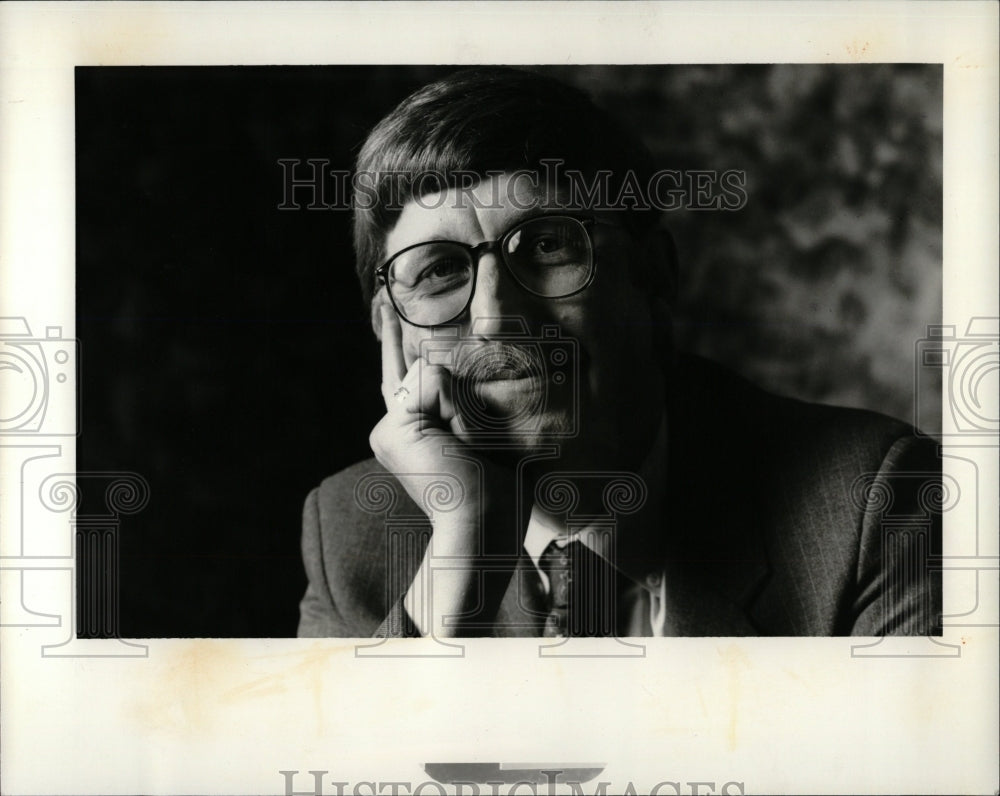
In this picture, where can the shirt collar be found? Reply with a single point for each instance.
(633, 533)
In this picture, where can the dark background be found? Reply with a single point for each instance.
(226, 356)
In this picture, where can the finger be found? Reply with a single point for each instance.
(446, 402)
(435, 392)
(458, 429)
(393, 363)
(394, 397)
(424, 393)
(403, 396)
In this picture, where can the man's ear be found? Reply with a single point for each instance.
(661, 318)
(660, 265)
(660, 261)
(376, 313)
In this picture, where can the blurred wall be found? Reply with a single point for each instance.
(226, 357)
(822, 284)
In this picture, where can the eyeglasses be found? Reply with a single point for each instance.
(432, 283)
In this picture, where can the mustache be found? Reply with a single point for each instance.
(498, 360)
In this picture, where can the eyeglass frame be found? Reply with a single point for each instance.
(478, 250)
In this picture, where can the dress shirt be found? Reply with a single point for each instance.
(625, 543)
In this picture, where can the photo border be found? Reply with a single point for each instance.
(227, 716)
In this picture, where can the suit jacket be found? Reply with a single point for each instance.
(783, 518)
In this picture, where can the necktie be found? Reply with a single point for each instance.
(581, 592)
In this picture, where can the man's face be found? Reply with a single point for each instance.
(620, 398)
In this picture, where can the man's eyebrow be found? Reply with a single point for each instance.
(522, 215)
(540, 207)
(543, 211)
(516, 217)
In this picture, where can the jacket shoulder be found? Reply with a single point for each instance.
(347, 524)
(802, 479)
(337, 492)
(785, 431)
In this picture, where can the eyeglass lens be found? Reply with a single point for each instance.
(432, 283)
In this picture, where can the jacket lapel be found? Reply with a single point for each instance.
(715, 560)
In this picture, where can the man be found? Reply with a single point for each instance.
(547, 465)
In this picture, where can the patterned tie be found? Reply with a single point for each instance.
(582, 590)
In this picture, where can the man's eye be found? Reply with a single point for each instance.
(543, 245)
(440, 270)
(547, 244)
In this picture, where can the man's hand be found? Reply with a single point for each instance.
(420, 421)
(410, 442)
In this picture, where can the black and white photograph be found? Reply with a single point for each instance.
(400, 407)
(680, 284)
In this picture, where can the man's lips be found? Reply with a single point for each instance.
(505, 394)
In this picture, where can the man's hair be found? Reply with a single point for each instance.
(486, 120)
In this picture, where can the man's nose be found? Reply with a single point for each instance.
(499, 306)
